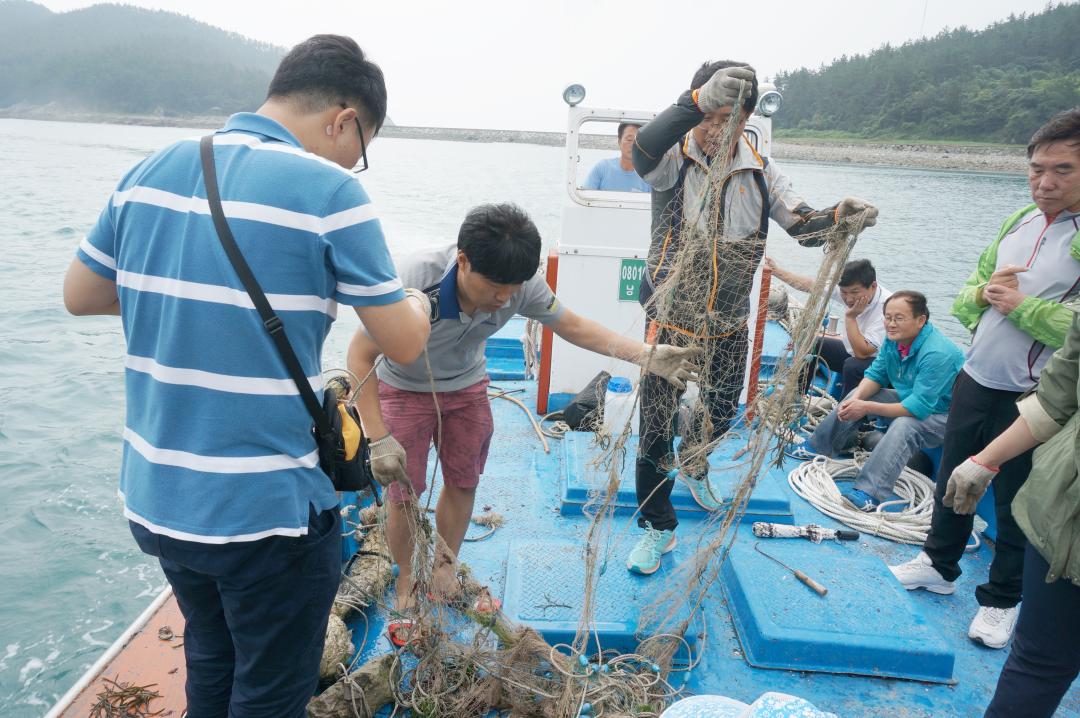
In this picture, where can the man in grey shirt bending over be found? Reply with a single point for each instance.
(475, 288)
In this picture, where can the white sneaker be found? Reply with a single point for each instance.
(919, 572)
(993, 627)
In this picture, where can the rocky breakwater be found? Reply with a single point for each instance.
(966, 158)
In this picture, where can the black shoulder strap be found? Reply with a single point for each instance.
(270, 320)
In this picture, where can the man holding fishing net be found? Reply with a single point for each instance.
(713, 196)
(475, 287)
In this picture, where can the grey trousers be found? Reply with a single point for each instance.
(904, 437)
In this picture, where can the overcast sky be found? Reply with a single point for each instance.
(504, 63)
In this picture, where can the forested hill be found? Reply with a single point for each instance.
(997, 85)
(126, 60)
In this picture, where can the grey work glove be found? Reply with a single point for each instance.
(722, 89)
(421, 298)
(853, 205)
(967, 485)
(388, 461)
(672, 363)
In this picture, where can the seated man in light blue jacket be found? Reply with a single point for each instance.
(910, 382)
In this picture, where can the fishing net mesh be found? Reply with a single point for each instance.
(507, 667)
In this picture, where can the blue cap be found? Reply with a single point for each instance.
(619, 385)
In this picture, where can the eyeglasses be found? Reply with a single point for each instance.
(896, 319)
(363, 149)
(363, 145)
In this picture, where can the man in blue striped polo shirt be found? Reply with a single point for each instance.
(220, 476)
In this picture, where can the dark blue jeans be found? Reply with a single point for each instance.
(721, 384)
(977, 416)
(833, 353)
(903, 438)
(1045, 655)
(255, 617)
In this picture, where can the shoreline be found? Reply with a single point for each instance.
(922, 155)
(919, 155)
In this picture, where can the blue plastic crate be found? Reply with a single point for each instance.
(504, 352)
(866, 625)
(580, 479)
(545, 582)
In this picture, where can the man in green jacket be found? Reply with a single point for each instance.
(1045, 657)
(1014, 305)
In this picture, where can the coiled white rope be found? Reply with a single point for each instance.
(818, 405)
(558, 428)
(815, 481)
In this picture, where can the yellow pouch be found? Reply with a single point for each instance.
(351, 433)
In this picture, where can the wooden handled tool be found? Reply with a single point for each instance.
(814, 585)
(806, 580)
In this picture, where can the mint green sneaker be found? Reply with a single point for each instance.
(707, 494)
(645, 556)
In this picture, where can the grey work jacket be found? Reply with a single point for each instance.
(668, 157)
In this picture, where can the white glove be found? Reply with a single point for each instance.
(853, 205)
(672, 363)
(967, 485)
(388, 461)
(422, 299)
(722, 89)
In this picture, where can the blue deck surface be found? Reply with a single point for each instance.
(581, 481)
(543, 590)
(523, 484)
(782, 624)
(504, 352)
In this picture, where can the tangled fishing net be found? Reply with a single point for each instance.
(461, 662)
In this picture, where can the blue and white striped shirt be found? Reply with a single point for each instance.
(217, 442)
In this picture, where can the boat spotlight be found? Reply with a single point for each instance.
(573, 95)
(769, 103)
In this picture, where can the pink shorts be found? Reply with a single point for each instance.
(467, 427)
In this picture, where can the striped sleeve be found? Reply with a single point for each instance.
(363, 270)
(98, 249)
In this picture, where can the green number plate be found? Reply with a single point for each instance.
(630, 274)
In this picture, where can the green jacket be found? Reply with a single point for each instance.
(1046, 321)
(1047, 507)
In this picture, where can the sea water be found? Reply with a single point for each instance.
(71, 578)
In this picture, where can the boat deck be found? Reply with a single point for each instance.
(150, 653)
(532, 562)
(522, 483)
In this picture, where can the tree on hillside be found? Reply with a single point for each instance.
(999, 84)
(122, 59)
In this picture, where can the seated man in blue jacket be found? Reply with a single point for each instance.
(920, 365)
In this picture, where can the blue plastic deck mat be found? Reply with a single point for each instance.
(867, 624)
(505, 353)
(580, 478)
(545, 582)
(523, 484)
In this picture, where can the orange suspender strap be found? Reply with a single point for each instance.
(759, 339)
(651, 333)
